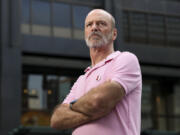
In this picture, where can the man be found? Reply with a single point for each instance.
(106, 100)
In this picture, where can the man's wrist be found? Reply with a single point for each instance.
(71, 108)
(71, 103)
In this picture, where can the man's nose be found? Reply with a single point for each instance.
(94, 27)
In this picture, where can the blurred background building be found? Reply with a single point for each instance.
(42, 52)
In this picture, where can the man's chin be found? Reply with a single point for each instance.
(96, 45)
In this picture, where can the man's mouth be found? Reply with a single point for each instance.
(95, 35)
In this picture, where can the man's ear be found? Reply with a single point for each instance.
(114, 34)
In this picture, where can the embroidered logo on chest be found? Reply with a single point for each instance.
(98, 78)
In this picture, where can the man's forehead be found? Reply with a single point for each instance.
(98, 15)
(96, 18)
(99, 11)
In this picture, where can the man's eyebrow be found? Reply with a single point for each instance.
(88, 22)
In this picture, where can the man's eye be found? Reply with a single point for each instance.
(102, 23)
(89, 24)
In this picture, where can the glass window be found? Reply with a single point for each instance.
(177, 107)
(173, 29)
(41, 18)
(35, 92)
(79, 15)
(25, 26)
(160, 104)
(126, 27)
(25, 11)
(138, 27)
(156, 29)
(61, 15)
(146, 109)
(40, 94)
(40, 12)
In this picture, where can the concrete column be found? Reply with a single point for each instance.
(10, 66)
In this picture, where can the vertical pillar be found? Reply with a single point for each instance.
(118, 14)
(10, 66)
(108, 5)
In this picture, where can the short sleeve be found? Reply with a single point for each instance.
(126, 71)
(71, 96)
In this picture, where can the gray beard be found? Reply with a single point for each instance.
(106, 39)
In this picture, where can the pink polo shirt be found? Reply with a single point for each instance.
(125, 118)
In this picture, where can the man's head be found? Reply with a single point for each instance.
(99, 28)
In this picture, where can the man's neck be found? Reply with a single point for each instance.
(98, 54)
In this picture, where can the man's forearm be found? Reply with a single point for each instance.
(65, 118)
(100, 100)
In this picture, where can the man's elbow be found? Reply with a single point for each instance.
(55, 123)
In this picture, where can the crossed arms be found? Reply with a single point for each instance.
(98, 102)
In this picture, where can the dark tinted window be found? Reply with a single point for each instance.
(79, 15)
(61, 15)
(41, 12)
(25, 11)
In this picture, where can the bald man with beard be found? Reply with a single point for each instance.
(106, 100)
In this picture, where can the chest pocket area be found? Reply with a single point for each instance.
(95, 78)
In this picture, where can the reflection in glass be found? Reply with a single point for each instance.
(40, 94)
(173, 29)
(61, 20)
(53, 19)
(35, 92)
(41, 18)
(61, 15)
(146, 107)
(41, 12)
(65, 86)
(79, 15)
(25, 26)
(25, 11)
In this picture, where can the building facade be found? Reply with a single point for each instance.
(43, 52)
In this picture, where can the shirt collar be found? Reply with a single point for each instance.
(108, 58)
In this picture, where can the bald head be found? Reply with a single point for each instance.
(100, 28)
(103, 13)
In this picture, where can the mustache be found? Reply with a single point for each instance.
(95, 33)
